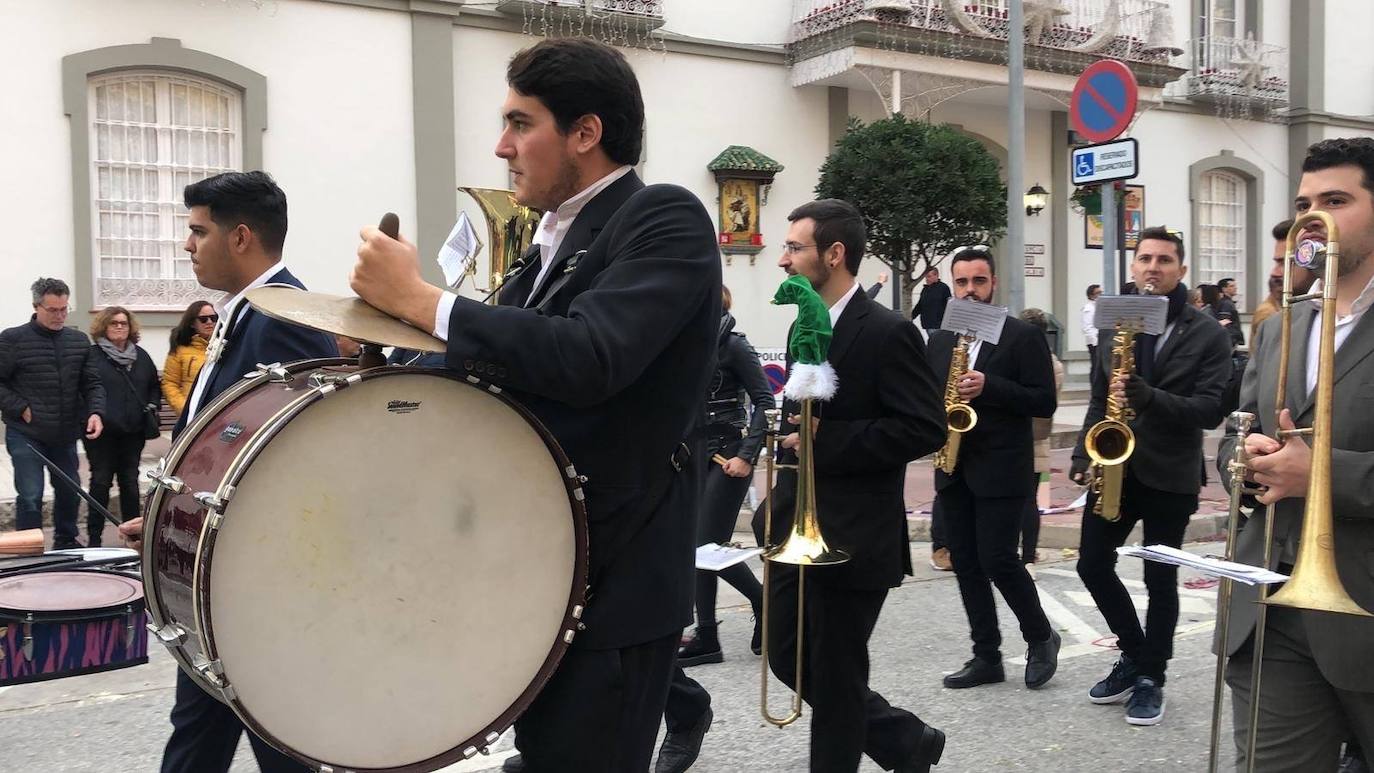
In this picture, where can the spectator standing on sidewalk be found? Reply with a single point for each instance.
(50, 395)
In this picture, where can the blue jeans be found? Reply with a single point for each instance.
(28, 483)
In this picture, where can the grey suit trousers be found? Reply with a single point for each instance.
(1303, 718)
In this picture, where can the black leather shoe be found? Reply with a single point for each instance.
(514, 764)
(67, 544)
(1042, 660)
(702, 648)
(756, 643)
(680, 750)
(927, 752)
(974, 673)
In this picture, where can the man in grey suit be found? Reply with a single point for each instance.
(1176, 392)
(1317, 689)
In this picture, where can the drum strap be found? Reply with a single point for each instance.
(677, 461)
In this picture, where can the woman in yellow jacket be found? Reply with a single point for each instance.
(187, 353)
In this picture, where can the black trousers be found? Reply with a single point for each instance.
(1030, 523)
(983, 534)
(114, 457)
(687, 701)
(937, 526)
(719, 510)
(1165, 517)
(205, 734)
(847, 719)
(600, 711)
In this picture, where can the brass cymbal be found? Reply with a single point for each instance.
(349, 317)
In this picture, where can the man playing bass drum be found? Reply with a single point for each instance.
(1175, 392)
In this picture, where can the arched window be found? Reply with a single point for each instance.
(1221, 229)
(152, 133)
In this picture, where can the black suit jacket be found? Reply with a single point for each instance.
(258, 339)
(1185, 397)
(886, 413)
(996, 457)
(614, 356)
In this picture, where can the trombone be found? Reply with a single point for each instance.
(1315, 583)
(803, 547)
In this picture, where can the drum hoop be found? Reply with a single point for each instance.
(571, 615)
(157, 614)
(82, 614)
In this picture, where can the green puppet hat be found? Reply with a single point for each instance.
(811, 377)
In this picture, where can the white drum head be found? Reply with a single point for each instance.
(392, 571)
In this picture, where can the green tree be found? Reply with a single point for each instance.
(924, 190)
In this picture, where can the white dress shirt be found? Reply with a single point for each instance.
(838, 308)
(1343, 327)
(1089, 318)
(226, 310)
(553, 228)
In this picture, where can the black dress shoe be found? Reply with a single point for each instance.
(702, 648)
(514, 764)
(680, 750)
(756, 643)
(68, 544)
(1042, 660)
(927, 752)
(975, 672)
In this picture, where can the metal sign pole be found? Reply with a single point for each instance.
(1110, 284)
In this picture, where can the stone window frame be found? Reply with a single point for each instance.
(165, 54)
(1257, 249)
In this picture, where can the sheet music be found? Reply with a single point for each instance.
(1147, 314)
(717, 557)
(1214, 567)
(459, 251)
(983, 321)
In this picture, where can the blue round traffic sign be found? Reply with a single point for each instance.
(1103, 101)
(777, 377)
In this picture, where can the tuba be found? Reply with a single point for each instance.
(959, 415)
(1111, 442)
(510, 231)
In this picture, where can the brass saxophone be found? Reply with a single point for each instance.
(959, 416)
(1111, 442)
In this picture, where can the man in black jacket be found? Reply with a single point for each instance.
(983, 498)
(238, 226)
(929, 308)
(50, 395)
(607, 332)
(885, 413)
(1176, 392)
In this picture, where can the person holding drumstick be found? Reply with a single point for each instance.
(607, 333)
(238, 227)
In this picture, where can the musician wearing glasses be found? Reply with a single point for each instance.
(885, 413)
(607, 332)
(1175, 391)
(1316, 687)
(983, 494)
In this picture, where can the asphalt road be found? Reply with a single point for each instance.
(117, 721)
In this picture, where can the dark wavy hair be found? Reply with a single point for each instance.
(244, 198)
(1355, 151)
(836, 221)
(186, 328)
(574, 77)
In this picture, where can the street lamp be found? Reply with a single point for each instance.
(1035, 199)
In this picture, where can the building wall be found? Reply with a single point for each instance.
(338, 138)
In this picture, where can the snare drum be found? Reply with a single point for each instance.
(374, 568)
(66, 623)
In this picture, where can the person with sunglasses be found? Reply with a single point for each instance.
(186, 353)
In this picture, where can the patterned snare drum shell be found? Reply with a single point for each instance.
(58, 638)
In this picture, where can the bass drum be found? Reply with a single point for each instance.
(377, 569)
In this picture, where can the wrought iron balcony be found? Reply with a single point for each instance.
(1236, 70)
(640, 14)
(1137, 32)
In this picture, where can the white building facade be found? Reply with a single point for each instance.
(359, 107)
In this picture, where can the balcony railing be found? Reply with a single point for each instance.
(647, 14)
(1135, 35)
(1236, 70)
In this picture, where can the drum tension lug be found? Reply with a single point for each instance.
(170, 634)
(211, 501)
(577, 611)
(26, 649)
(471, 752)
(275, 373)
(129, 627)
(169, 482)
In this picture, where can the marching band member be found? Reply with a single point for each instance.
(607, 333)
(984, 497)
(1317, 690)
(885, 413)
(1175, 392)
